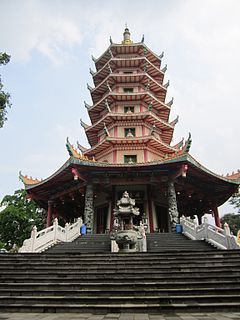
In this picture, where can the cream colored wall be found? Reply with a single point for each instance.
(153, 156)
(108, 157)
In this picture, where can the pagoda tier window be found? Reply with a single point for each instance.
(132, 158)
(129, 132)
(128, 90)
(128, 109)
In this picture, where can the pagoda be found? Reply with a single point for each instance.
(130, 136)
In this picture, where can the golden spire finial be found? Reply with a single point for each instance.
(126, 36)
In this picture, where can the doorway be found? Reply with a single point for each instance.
(101, 219)
(162, 218)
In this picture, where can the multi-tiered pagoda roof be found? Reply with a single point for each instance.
(130, 134)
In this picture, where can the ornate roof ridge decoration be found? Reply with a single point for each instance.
(72, 151)
(28, 180)
(233, 175)
(187, 145)
(75, 154)
(174, 122)
(84, 125)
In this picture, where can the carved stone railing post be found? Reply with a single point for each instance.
(33, 238)
(89, 209)
(172, 205)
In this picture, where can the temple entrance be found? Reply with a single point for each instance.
(162, 218)
(101, 215)
(137, 219)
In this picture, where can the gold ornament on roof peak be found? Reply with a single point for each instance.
(126, 36)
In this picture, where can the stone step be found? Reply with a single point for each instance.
(110, 292)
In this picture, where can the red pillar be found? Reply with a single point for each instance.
(216, 217)
(150, 215)
(49, 214)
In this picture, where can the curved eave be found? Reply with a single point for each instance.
(222, 188)
(133, 48)
(111, 118)
(142, 78)
(127, 63)
(143, 141)
(145, 96)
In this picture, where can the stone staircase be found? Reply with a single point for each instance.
(158, 242)
(86, 243)
(153, 282)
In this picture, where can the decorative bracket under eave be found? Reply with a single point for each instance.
(182, 172)
(77, 175)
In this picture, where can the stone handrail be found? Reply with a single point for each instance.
(218, 237)
(44, 239)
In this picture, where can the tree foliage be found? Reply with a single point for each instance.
(4, 96)
(233, 220)
(18, 218)
(235, 201)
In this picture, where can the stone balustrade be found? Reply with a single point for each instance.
(218, 237)
(44, 239)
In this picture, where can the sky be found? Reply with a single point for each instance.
(51, 43)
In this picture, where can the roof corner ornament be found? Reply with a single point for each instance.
(107, 105)
(72, 151)
(93, 58)
(175, 121)
(89, 87)
(188, 143)
(147, 85)
(161, 55)
(166, 85)
(110, 40)
(91, 71)
(81, 148)
(87, 106)
(170, 102)
(164, 69)
(20, 176)
(142, 38)
(84, 125)
(106, 130)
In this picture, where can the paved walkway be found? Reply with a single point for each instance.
(122, 316)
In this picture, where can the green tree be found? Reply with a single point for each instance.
(235, 201)
(233, 220)
(17, 218)
(4, 96)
